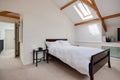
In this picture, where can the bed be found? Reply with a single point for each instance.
(74, 56)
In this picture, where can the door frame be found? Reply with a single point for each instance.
(17, 42)
(17, 20)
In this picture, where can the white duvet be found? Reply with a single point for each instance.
(74, 56)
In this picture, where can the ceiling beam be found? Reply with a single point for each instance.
(112, 16)
(88, 4)
(7, 14)
(10, 16)
(99, 15)
(97, 19)
(68, 4)
(93, 5)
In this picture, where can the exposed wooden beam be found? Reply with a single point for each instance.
(91, 0)
(4, 12)
(112, 16)
(68, 4)
(99, 15)
(8, 12)
(97, 19)
(92, 4)
(10, 16)
(88, 4)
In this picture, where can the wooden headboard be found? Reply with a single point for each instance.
(52, 40)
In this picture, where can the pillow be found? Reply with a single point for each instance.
(64, 43)
(53, 44)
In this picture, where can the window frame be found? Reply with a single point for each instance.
(81, 13)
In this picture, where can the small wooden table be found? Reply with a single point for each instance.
(35, 56)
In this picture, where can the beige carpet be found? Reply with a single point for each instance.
(12, 69)
(8, 53)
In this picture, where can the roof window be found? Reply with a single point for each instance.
(83, 11)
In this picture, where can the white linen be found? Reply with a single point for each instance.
(63, 43)
(74, 56)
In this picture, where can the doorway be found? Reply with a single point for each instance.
(9, 38)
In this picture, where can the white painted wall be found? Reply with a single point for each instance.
(41, 20)
(2, 34)
(8, 37)
(85, 34)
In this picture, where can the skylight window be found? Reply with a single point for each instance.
(83, 11)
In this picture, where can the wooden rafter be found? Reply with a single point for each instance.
(8, 14)
(99, 15)
(112, 16)
(92, 4)
(68, 4)
(97, 19)
(88, 4)
(5, 12)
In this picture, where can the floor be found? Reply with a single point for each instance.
(8, 53)
(12, 69)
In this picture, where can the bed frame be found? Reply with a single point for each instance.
(97, 61)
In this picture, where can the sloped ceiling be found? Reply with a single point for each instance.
(106, 8)
(109, 7)
(61, 2)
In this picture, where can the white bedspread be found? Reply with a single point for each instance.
(74, 56)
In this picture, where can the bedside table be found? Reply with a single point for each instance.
(35, 56)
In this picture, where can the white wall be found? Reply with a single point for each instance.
(7, 37)
(41, 20)
(85, 34)
(2, 34)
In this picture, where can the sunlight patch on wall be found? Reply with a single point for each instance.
(94, 30)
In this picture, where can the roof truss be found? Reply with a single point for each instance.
(97, 19)
(91, 4)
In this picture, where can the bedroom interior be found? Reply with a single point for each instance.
(85, 24)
